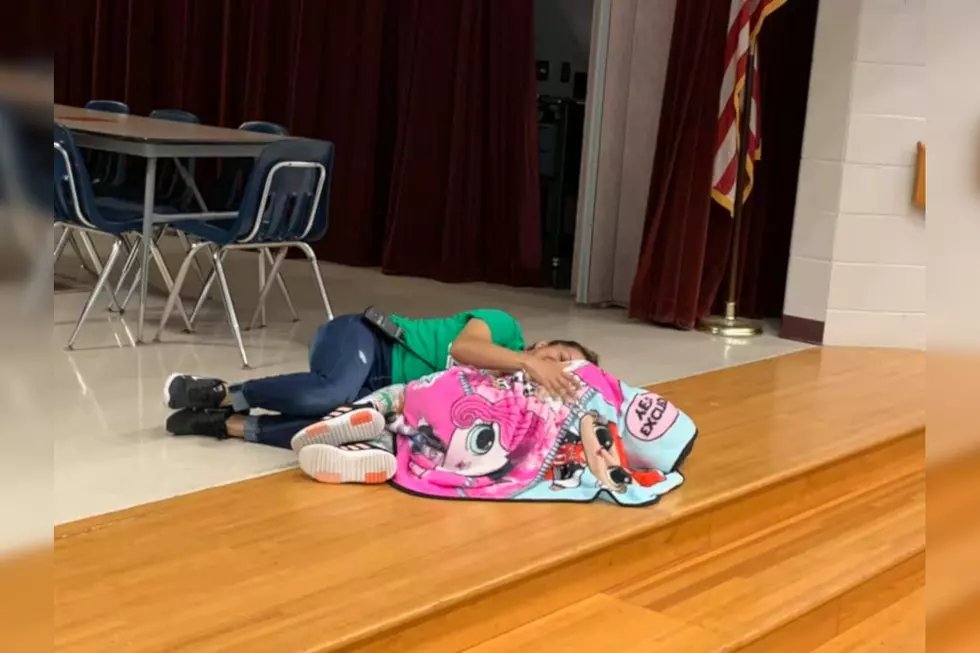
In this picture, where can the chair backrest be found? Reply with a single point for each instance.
(175, 115)
(264, 127)
(287, 196)
(74, 197)
(109, 106)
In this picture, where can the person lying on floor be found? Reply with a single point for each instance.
(466, 433)
(349, 358)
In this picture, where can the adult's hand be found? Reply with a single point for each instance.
(551, 375)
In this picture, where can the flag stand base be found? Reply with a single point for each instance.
(729, 325)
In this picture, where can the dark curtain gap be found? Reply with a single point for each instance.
(431, 107)
(686, 242)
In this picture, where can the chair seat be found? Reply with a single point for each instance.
(215, 231)
(118, 209)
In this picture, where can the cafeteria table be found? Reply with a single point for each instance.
(155, 139)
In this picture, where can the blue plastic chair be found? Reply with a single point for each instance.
(263, 127)
(109, 106)
(227, 190)
(176, 115)
(78, 209)
(285, 204)
(108, 168)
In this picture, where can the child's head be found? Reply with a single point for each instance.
(563, 350)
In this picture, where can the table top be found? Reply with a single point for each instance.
(149, 130)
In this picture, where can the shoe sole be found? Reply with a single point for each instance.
(359, 425)
(328, 464)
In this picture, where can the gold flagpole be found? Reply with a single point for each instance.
(729, 324)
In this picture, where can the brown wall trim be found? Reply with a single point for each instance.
(802, 330)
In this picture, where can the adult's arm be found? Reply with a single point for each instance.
(474, 347)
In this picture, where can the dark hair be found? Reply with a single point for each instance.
(587, 353)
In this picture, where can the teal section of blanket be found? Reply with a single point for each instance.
(589, 490)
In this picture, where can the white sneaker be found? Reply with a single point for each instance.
(360, 424)
(360, 462)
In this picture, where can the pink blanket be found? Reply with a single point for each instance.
(476, 436)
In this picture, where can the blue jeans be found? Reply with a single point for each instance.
(348, 360)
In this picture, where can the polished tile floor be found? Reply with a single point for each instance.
(110, 449)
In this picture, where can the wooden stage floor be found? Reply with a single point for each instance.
(284, 564)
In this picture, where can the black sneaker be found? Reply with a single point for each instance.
(191, 421)
(186, 391)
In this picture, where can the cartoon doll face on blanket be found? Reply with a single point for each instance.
(469, 432)
(475, 448)
(598, 447)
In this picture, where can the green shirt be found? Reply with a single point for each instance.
(432, 338)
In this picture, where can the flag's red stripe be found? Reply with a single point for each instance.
(741, 22)
(726, 183)
(736, 55)
(725, 123)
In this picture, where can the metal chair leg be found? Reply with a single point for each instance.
(130, 260)
(127, 268)
(168, 281)
(99, 285)
(267, 286)
(93, 254)
(186, 244)
(139, 271)
(260, 307)
(178, 283)
(62, 243)
(128, 250)
(282, 288)
(82, 262)
(319, 279)
(201, 299)
(206, 289)
(97, 262)
(229, 306)
(132, 287)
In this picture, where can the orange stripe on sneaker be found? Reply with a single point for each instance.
(317, 429)
(375, 477)
(361, 417)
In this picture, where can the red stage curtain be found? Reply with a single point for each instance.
(376, 77)
(27, 34)
(465, 180)
(686, 243)
(676, 244)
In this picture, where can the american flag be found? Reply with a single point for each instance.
(745, 19)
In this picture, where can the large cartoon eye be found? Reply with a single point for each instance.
(619, 476)
(481, 439)
(605, 437)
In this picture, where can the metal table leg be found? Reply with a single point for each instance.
(147, 240)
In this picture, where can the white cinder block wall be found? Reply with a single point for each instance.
(857, 260)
